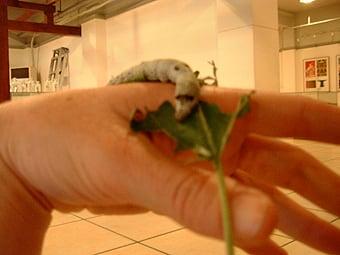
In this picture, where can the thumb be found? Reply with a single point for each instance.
(196, 204)
(190, 196)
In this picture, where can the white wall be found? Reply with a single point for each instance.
(20, 57)
(291, 66)
(94, 53)
(266, 59)
(287, 71)
(248, 44)
(187, 32)
(192, 31)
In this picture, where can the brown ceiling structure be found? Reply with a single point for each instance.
(75, 12)
(67, 12)
(22, 22)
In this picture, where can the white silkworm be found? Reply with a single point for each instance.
(167, 70)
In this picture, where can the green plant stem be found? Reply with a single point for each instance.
(226, 219)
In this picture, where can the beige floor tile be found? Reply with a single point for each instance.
(280, 233)
(324, 215)
(321, 151)
(333, 162)
(285, 191)
(139, 226)
(85, 214)
(297, 248)
(281, 240)
(80, 238)
(303, 201)
(287, 140)
(315, 145)
(238, 251)
(308, 145)
(61, 218)
(328, 217)
(135, 249)
(185, 242)
(337, 223)
(334, 165)
(322, 154)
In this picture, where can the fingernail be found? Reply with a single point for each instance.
(254, 215)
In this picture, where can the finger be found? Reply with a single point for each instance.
(281, 164)
(271, 113)
(275, 114)
(296, 221)
(142, 96)
(117, 210)
(190, 196)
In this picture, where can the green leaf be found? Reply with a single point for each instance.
(216, 122)
(204, 131)
(188, 134)
(244, 106)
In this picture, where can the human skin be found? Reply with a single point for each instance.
(73, 150)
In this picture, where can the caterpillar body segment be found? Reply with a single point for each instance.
(167, 70)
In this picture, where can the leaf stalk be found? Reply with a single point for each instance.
(225, 208)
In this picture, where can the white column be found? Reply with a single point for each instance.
(94, 68)
(248, 44)
(288, 71)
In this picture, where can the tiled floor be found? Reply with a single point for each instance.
(149, 234)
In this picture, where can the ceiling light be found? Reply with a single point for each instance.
(306, 1)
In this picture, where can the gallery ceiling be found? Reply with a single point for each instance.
(75, 12)
(295, 5)
(68, 12)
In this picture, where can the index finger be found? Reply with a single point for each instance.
(274, 114)
(271, 114)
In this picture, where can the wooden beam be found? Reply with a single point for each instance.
(4, 70)
(26, 15)
(50, 1)
(49, 18)
(43, 28)
(33, 6)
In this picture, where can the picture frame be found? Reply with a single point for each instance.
(316, 74)
(338, 72)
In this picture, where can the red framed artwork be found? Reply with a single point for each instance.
(316, 74)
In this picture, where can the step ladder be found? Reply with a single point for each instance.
(59, 69)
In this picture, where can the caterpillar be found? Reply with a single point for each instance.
(187, 84)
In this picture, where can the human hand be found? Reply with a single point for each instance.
(259, 160)
(76, 148)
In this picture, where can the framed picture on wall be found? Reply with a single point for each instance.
(316, 74)
(338, 72)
